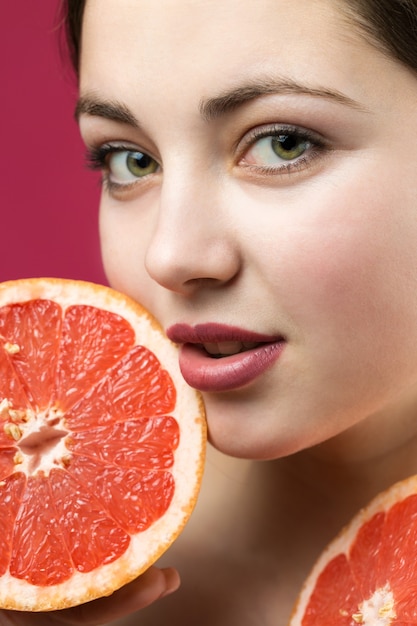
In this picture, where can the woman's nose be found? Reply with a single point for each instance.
(193, 242)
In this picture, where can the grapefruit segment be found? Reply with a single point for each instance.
(101, 443)
(7, 462)
(368, 575)
(13, 394)
(134, 387)
(39, 554)
(368, 541)
(33, 328)
(92, 537)
(335, 597)
(92, 341)
(134, 443)
(11, 494)
(133, 498)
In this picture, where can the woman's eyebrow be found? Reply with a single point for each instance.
(212, 108)
(108, 109)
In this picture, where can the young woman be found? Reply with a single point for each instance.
(260, 198)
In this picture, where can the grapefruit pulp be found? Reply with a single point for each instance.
(368, 574)
(101, 443)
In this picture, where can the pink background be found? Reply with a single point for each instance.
(49, 198)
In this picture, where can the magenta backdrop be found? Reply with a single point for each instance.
(48, 197)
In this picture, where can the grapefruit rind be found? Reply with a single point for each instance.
(344, 540)
(147, 546)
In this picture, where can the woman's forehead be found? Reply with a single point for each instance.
(180, 26)
(194, 50)
(198, 36)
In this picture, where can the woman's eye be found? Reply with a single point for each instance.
(121, 166)
(277, 149)
(126, 166)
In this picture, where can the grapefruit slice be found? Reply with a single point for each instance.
(101, 443)
(368, 574)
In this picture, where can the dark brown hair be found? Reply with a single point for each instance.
(391, 25)
(72, 13)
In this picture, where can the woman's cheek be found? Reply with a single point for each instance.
(123, 239)
(347, 264)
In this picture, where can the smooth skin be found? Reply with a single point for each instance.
(311, 239)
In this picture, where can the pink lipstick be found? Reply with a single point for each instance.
(216, 357)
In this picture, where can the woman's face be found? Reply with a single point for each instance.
(260, 199)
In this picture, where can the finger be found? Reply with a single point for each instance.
(141, 592)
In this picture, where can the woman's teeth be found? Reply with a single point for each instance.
(227, 348)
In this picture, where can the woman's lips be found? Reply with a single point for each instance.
(215, 357)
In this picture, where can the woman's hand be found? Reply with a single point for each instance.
(150, 586)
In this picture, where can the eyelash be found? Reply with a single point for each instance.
(317, 146)
(98, 157)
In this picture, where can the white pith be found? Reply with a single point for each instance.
(379, 610)
(39, 438)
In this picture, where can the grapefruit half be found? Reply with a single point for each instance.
(368, 574)
(101, 443)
